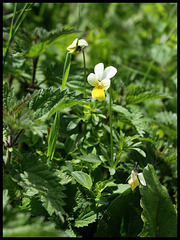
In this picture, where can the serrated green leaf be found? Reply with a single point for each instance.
(167, 118)
(140, 94)
(36, 177)
(85, 218)
(9, 99)
(82, 178)
(159, 215)
(47, 102)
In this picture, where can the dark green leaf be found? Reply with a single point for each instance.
(159, 215)
(122, 217)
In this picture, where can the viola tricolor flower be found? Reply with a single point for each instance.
(77, 46)
(100, 80)
(135, 177)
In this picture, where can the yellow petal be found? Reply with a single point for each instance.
(133, 182)
(98, 93)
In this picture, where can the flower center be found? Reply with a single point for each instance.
(100, 87)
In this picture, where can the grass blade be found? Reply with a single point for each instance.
(53, 136)
(66, 69)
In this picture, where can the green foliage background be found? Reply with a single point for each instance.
(58, 177)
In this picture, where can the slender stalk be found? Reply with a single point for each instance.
(110, 119)
(85, 78)
(35, 61)
(16, 138)
(8, 153)
(10, 33)
(15, 26)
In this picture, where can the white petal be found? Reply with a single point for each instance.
(141, 179)
(92, 80)
(82, 43)
(105, 83)
(99, 69)
(109, 72)
(73, 45)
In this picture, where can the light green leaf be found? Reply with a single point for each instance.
(159, 215)
(73, 124)
(139, 151)
(82, 178)
(67, 65)
(90, 158)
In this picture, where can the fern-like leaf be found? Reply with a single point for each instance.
(136, 95)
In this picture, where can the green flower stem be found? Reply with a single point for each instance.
(110, 118)
(85, 78)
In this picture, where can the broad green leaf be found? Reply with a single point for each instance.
(122, 217)
(53, 136)
(90, 158)
(82, 178)
(37, 178)
(67, 65)
(121, 109)
(47, 102)
(159, 215)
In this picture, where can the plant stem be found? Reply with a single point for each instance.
(110, 119)
(85, 79)
(8, 153)
(35, 61)
(10, 33)
(16, 138)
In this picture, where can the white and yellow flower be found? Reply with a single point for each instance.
(100, 80)
(77, 45)
(135, 178)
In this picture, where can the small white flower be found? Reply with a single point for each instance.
(135, 178)
(100, 80)
(77, 45)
